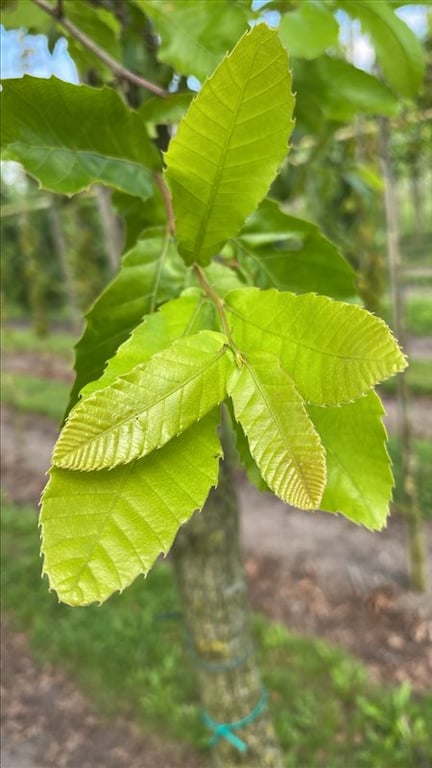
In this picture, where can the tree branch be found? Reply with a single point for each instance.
(118, 69)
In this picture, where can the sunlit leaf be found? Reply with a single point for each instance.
(359, 478)
(230, 144)
(143, 409)
(100, 530)
(334, 352)
(177, 318)
(150, 273)
(282, 438)
(71, 136)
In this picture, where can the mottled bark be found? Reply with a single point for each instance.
(211, 581)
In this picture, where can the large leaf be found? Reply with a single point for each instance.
(143, 409)
(359, 478)
(71, 136)
(102, 529)
(186, 315)
(151, 273)
(195, 35)
(284, 252)
(399, 51)
(230, 144)
(281, 436)
(309, 30)
(334, 352)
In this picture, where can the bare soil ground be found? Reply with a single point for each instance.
(315, 572)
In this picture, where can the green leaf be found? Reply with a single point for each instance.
(282, 438)
(309, 30)
(338, 91)
(151, 273)
(221, 277)
(177, 318)
(359, 478)
(352, 90)
(170, 109)
(334, 352)
(230, 144)
(284, 252)
(143, 409)
(245, 457)
(71, 136)
(100, 530)
(101, 26)
(399, 51)
(195, 35)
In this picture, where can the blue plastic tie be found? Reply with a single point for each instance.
(227, 730)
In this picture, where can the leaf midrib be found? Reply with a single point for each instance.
(119, 425)
(297, 343)
(219, 171)
(279, 427)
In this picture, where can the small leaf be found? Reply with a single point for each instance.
(100, 530)
(284, 252)
(359, 480)
(230, 144)
(72, 136)
(144, 409)
(282, 438)
(177, 318)
(151, 273)
(334, 352)
(399, 51)
(309, 30)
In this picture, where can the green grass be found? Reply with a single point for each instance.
(419, 377)
(423, 452)
(131, 661)
(15, 339)
(32, 394)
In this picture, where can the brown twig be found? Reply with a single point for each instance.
(167, 202)
(118, 69)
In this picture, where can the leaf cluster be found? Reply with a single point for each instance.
(227, 309)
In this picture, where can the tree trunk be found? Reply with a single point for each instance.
(110, 228)
(416, 542)
(212, 586)
(61, 250)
